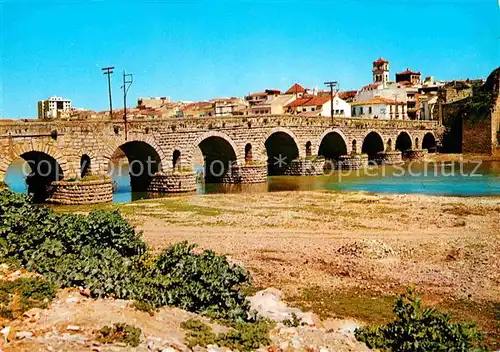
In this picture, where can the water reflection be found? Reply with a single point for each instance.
(439, 179)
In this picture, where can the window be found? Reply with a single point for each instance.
(370, 110)
(361, 110)
(341, 111)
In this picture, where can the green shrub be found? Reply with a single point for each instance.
(244, 336)
(20, 295)
(293, 321)
(120, 332)
(102, 252)
(418, 329)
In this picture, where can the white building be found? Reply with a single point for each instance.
(380, 108)
(274, 105)
(319, 106)
(53, 107)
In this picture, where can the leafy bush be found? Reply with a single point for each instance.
(20, 295)
(418, 329)
(213, 287)
(244, 336)
(102, 252)
(120, 332)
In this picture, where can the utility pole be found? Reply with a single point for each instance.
(128, 79)
(108, 71)
(331, 84)
(396, 95)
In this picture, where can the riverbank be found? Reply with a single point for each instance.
(345, 254)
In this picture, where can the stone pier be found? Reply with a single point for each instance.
(389, 158)
(414, 154)
(81, 192)
(173, 182)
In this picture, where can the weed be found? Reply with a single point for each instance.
(244, 336)
(120, 332)
(20, 295)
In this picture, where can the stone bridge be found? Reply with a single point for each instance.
(78, 148)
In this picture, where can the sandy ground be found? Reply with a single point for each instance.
(447, 245)
(346, 255)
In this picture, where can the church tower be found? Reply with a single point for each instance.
(380, 71)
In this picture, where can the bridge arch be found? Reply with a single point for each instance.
(281, 147)
(110, 149)
(372, 144)
(219, 154)
(332, 144)
(25, 148)
(333, 131)
(403, 141)
(43, 165)
(144, 157)
(429, 142)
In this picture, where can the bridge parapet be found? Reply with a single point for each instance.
(38, 127)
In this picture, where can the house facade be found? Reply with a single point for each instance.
(380, 108)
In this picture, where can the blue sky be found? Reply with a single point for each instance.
(197, 50)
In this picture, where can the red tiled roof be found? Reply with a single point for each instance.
(309, 101)
(316, 101)
(296, 88)
(199, 105)
(380, 61)
(408, 72)
(379, 100)
(298, 102)
(348, 94)
(370, 86)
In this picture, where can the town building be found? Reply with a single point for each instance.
(229, 106)
(410, 76)
(199, 109)
(53, 107)
(319, 105)
(380, 108)
(275, 105)
(257, 98)
(298, 90)
(380, 71)
(152, 102)
(428, 106)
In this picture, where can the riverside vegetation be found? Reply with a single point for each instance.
(102, 253)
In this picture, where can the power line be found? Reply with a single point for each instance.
(128, 79)
(108, 71)
(331, 84)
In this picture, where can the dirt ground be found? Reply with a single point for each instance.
(345, 255)
(333, 251)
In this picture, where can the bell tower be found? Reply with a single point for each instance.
(380, 71)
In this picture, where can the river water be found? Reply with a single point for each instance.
(466, 179)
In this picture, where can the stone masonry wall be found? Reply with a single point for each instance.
(81, 192)
(479, 129)
(173, 182)
(246, 174)
(67, 141)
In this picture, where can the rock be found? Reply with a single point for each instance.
(169, 349)
(33, 313)
(84, 291)
(73, 328)
(268, 304)
(23, 335)
(74, 337)
(349, 328)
